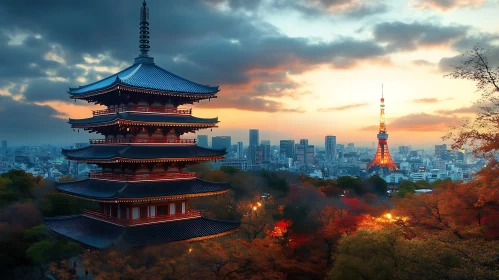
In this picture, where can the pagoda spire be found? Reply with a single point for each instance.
(144, 36)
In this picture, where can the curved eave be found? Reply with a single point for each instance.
(119, 86)
(118, 159)
(144, 199)
(119, 122)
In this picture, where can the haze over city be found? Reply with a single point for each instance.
(291, 69)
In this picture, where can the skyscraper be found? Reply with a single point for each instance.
(404, 150)
(240, 154)
(304, 142)
(287, 148)
(330, 148)
(253, 144)
(440, 150)
(265, 149)
(221, 142)
(203, 141)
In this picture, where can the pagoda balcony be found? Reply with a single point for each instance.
(139, 140)
(141, 176)
(141, 221)
(143, 109)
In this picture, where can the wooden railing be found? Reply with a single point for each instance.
(143, 109)
(141, 140)
(141, 221)
(141, 176)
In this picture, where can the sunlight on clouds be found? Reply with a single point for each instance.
(52, 55)
(70, 110)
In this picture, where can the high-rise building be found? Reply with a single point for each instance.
(253, 145)
(310, 155)
(404, 150)
(265, 149)
(203, 141)
(4, 145)
(240, 154)
(221, 142)
(304, 142)
(143, 190)
(350, 148)
(287, 148)
(330, 148)
(440, 150)
(300, 155)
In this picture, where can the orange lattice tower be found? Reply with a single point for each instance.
(382, 157)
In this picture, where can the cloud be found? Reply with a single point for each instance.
(348, 8)
(421, 122)
(486, 41)
(422, 62)
(256, 104)
(430, 100)
(29, 124)
(445, 5)
(343, 108)
(463, 110)
(402, 36)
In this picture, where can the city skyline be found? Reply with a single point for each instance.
(325, 78)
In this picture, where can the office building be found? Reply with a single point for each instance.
(253, 145)
(203, 141)
(330, 148)
(240, 154)
(221, 142)
(287, 149)
(440, 150)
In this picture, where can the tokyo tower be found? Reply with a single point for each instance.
(382, 157)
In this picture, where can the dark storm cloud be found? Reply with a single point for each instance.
(409, 36)
(29, 124)
(39, 90)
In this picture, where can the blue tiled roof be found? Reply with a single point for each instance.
(143, 118)
(98, 234)
(107, 152)
(147, 76)
(92, 188)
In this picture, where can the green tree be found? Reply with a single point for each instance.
(353, 184)
(45, 251)
(406, 187)
(378, 184)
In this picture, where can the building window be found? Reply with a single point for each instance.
(172, 208)
(135, 213)
(152, 211)
(183, 207)
(162, 210)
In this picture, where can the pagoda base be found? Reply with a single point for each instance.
(99, 234)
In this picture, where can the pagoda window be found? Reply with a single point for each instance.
(135, 213)
(143, 212)
(152, 211)
(172, 208)
(183, 207)
(178, 208)
(162, 210)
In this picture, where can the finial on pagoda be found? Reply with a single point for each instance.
(144, 36)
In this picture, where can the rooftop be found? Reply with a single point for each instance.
(130, 152)
(99, 234)
(145, 118)
(98, 189)
(147, 76)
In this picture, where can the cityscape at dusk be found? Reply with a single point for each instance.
(262, 139)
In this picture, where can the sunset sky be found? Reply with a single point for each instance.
(291, 68)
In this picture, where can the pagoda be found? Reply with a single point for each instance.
(143, 190)
(382, 158)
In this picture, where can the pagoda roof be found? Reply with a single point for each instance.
(147, 118)
(99, 234)
(147, 76)
(108, 190)
(133, 152)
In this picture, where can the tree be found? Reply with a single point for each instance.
(350, 183)
(405, 188)
(482, 132)
(378, 184)
(45, 251)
